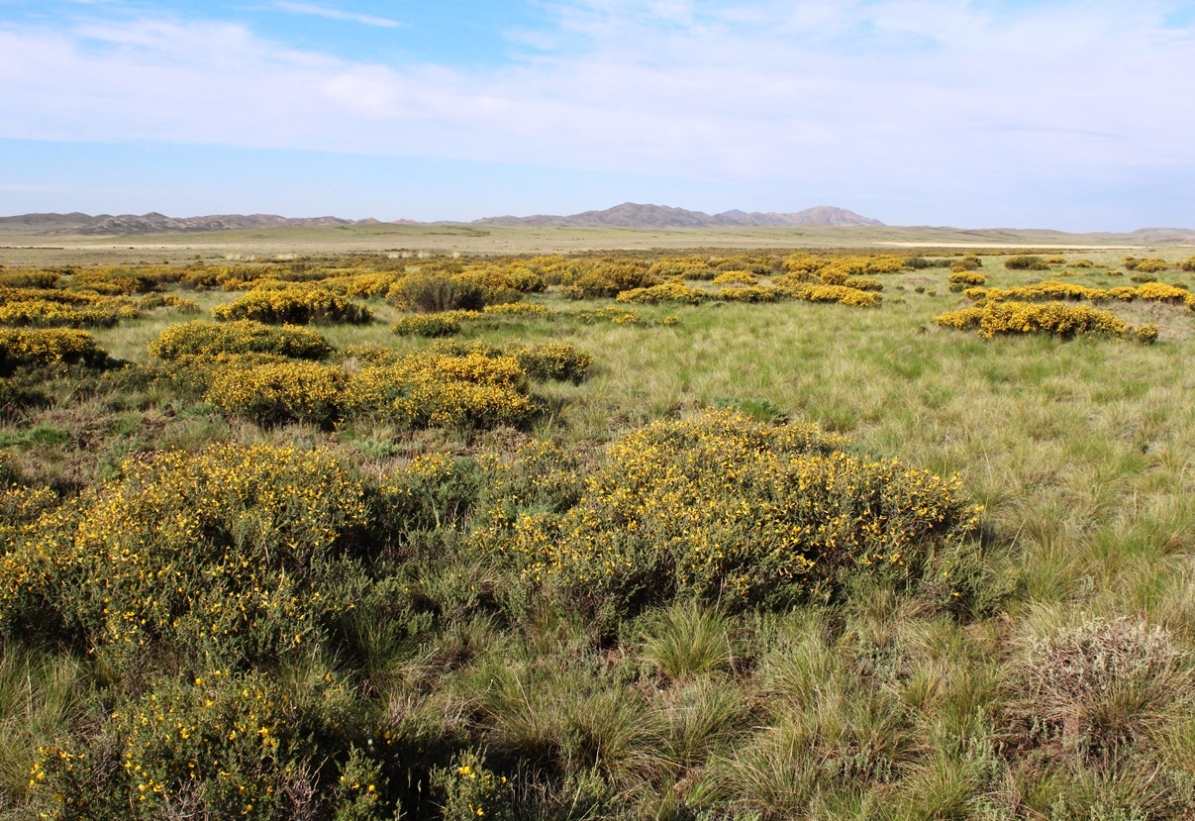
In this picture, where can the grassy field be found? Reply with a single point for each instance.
(657, 593)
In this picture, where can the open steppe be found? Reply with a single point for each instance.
(449, 522)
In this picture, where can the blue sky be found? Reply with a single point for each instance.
(974, 113)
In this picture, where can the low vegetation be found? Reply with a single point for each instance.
(634, 536)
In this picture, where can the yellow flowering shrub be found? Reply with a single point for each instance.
(29, 279)
(671, 291)
(864, 283)
(364, 286)
(1161, 292)
(228, 553)
(45, 314)
(1188, 264)
(1150, 266)
(1000, 318)
(832, 293)
(294, 304)
(699, 268)
(1050, 291)
(736, 278)
(31, 348)
(280, 392)
(729, 509)
(67, 297)
(517, 309)
(199, 338)
(222, 744)
(966, 279)
(441, 390)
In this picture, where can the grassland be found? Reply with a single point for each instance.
(1034, 664)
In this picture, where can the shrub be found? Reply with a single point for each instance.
(833, 293)
(562, 363)
(219, 556)
(1153, 265)
(736, 278)
(427, 325)
(752, 293)
(968, 263)
(281, 392)
(45, 314)
(222, 745)
(863, 283)
(1082, 263)
(436, 293)
(1000, 318)
(730, 510)
(436, 390)
(296, 305)
(671, 291)
(517, 309)
(208, 339)
(609, 279)
(966, 279)
(1188, 264)
(1098, 685)
(1025, 263)
(41, 348)
(29, 279)
(1160, 292)
(1143, 277)
(180, 304)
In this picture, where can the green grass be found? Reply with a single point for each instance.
(883, 700)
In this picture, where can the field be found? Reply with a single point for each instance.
(362, 533)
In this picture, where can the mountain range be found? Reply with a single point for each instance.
(627, 215)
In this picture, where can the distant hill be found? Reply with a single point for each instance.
(153, 223)
(633, 215)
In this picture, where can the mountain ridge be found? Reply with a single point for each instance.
(626, 215)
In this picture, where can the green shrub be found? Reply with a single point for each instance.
(427, 325)
(1025, 263)
(562, 363)
(435, 293)
(208, 339)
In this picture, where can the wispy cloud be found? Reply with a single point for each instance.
(335, 14)
(932, 98)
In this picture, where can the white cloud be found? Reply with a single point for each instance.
(335, 14)
(905, 93)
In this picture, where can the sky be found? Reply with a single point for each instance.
(1068, 114)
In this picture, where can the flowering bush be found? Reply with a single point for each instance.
(31, 348)
(45, 314)
(736, 278)
(999, 318)
(671, 291)
(732, 510)
(227, 553)
(832, 293)
(280, 392)
(562, 363)
(966, 279)
(29, 279)
(243, 336)
(294, 304)
(437, 390)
